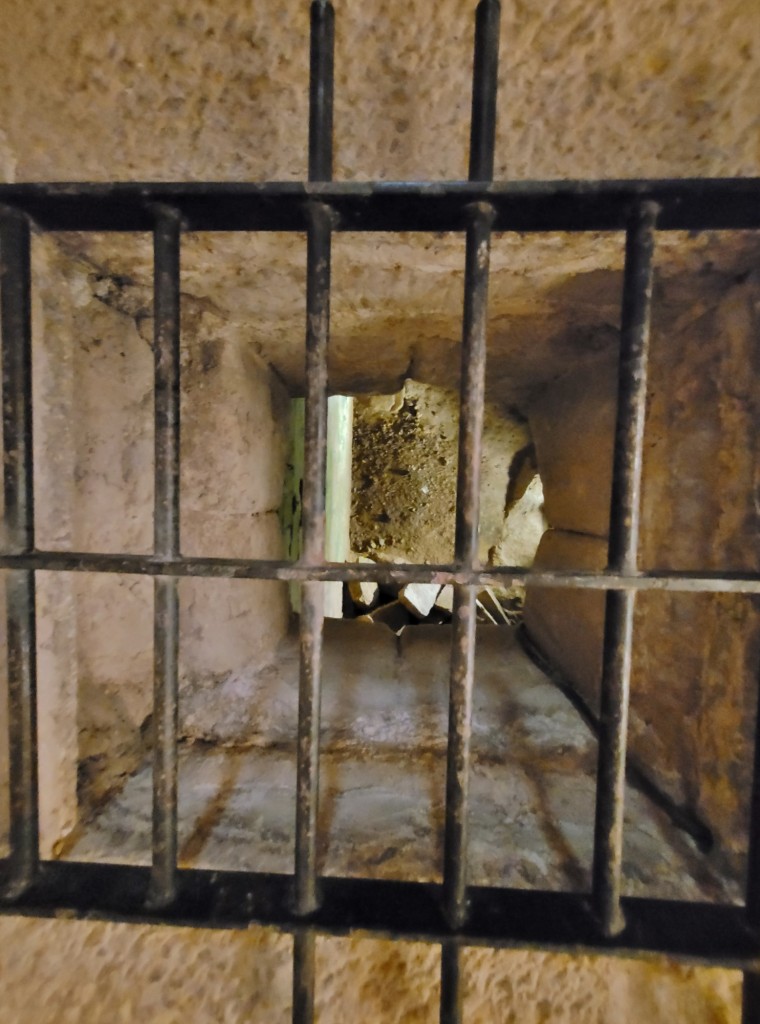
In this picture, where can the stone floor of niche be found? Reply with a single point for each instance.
(382, 809)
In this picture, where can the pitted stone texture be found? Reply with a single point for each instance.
(85, 972)
(219, 90)
(695, 656)
(93, 447)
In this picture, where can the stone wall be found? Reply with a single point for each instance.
(695, 665)
(214, 90)
(93, 387)
(188, 976)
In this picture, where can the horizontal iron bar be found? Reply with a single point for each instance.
(686, 204)
(700, 933)
(237, 568)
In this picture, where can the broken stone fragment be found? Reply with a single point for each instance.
(445, 599)
(364, 594)
(419, 598)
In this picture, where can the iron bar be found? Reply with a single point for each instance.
(18, 485)
(466, 554)
(313, 521)
(320, 224)
(485, 78)
(623, 545)
(692, 933)
(321, 76)
(166, 299)
(751, 998)
(166, 243)
(696, 204)
(499, 576)
(304, 976)
(452, 989)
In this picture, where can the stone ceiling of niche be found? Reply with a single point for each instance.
(397, 300)
(218, 90)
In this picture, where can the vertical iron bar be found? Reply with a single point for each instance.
(751, 998)
(623, 545)
(466, 554)
(318, 252)
(462, 671)
(452, 989)
(304, 976)
(313, 519)
(18, 482)
(484, 87)
(321, 77)
(166, 272)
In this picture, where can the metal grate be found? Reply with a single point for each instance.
(453, 914)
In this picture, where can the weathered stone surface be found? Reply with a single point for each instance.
(419, 598)
(568, 626)
(362, 594)
(139, 92)
(189, 976)
(695, 662)
(572, 423)
(383, 774)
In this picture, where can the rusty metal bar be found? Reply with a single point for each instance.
(166, 252)
(18, 484)
(698, 204)
(320, 223)
(500, 576)
(485, 79)
(313, 520)
(466, 554)
(452, 989)
(321, 79)
(304, 976)
(623, 545)
(499, 918)
(480, 218)
(751, 998)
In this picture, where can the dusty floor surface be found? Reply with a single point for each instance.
(382, 804)
(532, 812)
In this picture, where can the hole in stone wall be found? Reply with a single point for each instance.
(404, 483)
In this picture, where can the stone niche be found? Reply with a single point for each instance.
(551, 397)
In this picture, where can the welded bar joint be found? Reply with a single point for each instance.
(623, 545)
